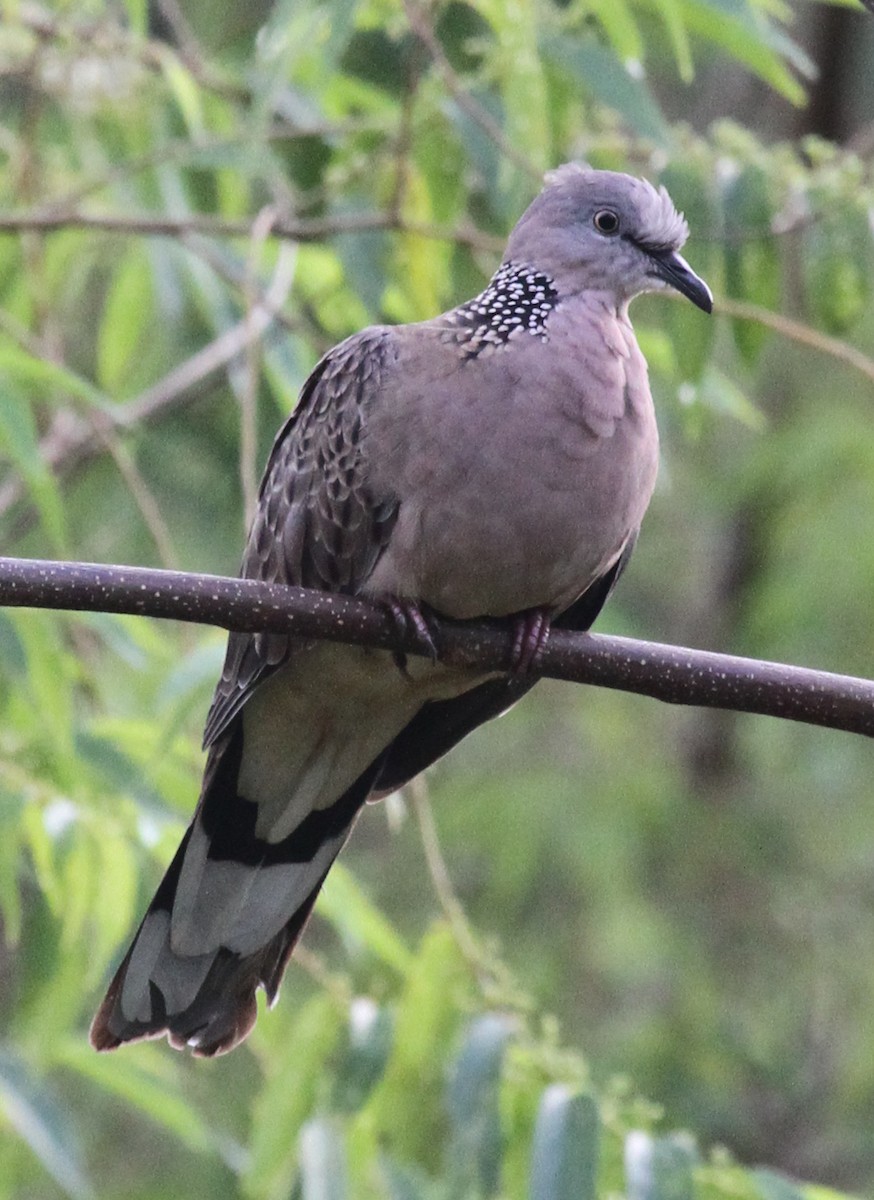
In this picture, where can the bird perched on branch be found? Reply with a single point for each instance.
(494, 461)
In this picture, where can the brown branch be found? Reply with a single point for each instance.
(674, 674)
(54, 219)
(316, 229)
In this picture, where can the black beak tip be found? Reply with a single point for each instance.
(673, 269)
(704, 298)
(680, 276)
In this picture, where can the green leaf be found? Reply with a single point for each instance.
(564, 1159)
(422, 264)
(369, 1041)
(523, 90)
(51, 671)
(136, 755)
(816, 1191)
(693, 331)
(78, 877)
(120, 635)
(364, 257)
(722, 394)
(463, 34)
(752, 262)
(475, 1147)
(426, 1018)
(288, 1095)
(138, 16)
(41, 377)
(127, 315)
(773, 1186)
(322, 1161)
(19, 440)
(12, 653)
(406, 1183)
(36, 1114)
(482, 151)
(359, 922)
(660, 1168)
(289, 31)
(376, 58)
(11, 809)
(194, 672)
(836, 259)
(114, 900)
(672, 16)
(184, 89)
(743, 35)
(597, 69)
(621, 28)
(42, 852)
(658, 349)
(145, 1080)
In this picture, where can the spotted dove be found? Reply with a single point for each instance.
(494, 461)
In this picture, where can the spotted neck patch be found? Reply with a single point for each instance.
(517, 300)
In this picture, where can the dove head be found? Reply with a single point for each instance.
(606, 232)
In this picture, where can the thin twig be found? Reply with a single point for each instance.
(50, 220)
(314, 230)
(71, 441)
(423, 29)
(797, 331)
(494, 977)
(142, 495)
(792, 329)
(188, 46)
(439, 872)
(674, 674)
(248, 393)
(20, 334)
(180, 149)
(112, 39)
(314, 965)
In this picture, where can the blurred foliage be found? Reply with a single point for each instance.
(687, 896)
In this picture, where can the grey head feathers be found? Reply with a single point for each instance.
(658, 224)
(602, 231)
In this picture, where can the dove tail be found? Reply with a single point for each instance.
(220, 927)
(223, 1009)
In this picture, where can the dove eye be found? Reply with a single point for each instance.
(606, 221)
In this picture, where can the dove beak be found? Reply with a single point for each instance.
(676, 272)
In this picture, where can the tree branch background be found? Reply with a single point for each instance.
(196, 204)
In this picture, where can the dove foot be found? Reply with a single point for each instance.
(409, 620)
(530, 635)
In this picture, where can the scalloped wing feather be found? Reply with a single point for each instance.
(317, 524)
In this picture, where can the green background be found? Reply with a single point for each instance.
(658, 920)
